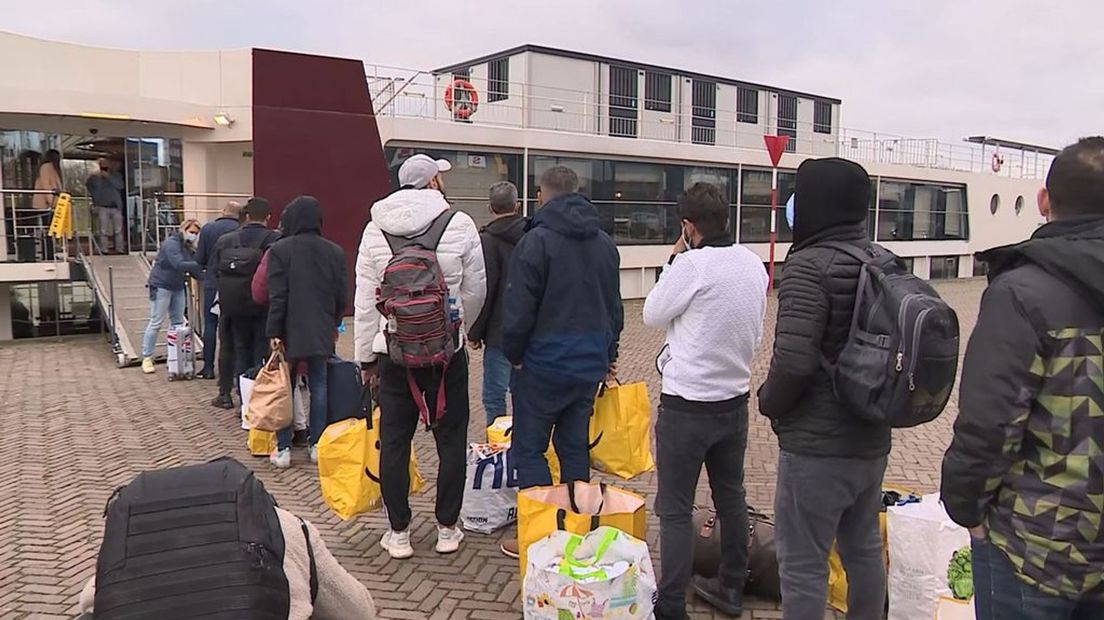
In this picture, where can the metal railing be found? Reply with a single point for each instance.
(25, 225)
(407, 93)
(170, 209)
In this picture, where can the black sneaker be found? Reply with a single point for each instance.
(301, 439)
(206, 373)
(223, 401)
(729, 601)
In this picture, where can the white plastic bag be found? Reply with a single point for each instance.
(606, 574)
(245, 388)
(951, 609)
(921, 540)
(300, 399)
(490, 498)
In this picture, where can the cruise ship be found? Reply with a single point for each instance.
(187, 131)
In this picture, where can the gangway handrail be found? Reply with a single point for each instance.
(203, 194)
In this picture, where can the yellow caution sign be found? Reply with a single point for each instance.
(62, 223)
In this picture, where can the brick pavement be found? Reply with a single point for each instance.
(74, 427)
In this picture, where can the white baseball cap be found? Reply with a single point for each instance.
(418, 170)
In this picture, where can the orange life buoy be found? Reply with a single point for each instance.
(461, 99)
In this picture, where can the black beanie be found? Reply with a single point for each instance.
(829, 192)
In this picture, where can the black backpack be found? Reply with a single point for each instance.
(900, 360)
(196, 541)
(236, 266)
(348, 396)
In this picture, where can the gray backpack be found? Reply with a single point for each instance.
(901, 357)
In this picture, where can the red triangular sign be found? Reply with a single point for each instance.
(775, 146)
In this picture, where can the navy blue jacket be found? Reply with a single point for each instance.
(562, 312)
(205, 249)
(173, 262)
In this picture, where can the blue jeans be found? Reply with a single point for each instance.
(542, 410)
(496, 380)
(1000, 595)
(210, 329)
(162, 302)
(319, 402)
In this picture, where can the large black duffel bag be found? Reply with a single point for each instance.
(762, 579)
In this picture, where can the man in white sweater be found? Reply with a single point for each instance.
(711, 299)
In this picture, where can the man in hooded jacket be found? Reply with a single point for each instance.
(1025, 470)
(831, 462)
(308, 290)
(408, 213)
(561, 323)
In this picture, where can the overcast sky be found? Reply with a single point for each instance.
(1019, 69)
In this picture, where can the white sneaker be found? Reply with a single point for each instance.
(281, 459)
(148, 366)
(314, 454)
(448, 539)
(397, 544)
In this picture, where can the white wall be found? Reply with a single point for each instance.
(566, 84)
(215, 168)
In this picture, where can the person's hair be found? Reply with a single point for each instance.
(1075, 182)
(53, 156)
(557, 181)
(705, 207)
(503, 197)
(188, 223)
(257, 209)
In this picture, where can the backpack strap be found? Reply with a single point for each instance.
(865, 255)
(313, 565)
(862, 254)
(429, 239)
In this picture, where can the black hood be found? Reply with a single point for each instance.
(509, 228)
(829, 193)
(571, 215)
(1071, 250)
(302, 215)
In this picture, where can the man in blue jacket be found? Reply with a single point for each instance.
(562, 318)
(226, 222)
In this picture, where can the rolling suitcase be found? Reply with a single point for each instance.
(181, 352)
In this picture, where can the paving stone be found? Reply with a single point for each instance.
(76, 427)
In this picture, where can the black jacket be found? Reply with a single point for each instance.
(205, 249)
(498, 238)
(307, 284)
(1026, 456)
(816, 299)
(561, 312)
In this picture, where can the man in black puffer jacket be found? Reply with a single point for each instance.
(832, 462)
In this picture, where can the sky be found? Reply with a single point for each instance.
(1018, 69)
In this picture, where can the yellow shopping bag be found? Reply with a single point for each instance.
(578, 508)
(620, 431)
(261, 443)
(348, 467)
(837, 577)
(500, 431)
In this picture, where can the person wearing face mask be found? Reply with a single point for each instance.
(175, 261)
(710, 298)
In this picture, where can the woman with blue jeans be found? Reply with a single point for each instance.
(166, 286)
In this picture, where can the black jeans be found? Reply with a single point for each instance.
(1000, 595)
(398, 423)
(818, 500)
(685, 440)
(210, 329)
(250, 344)
(227, 380)
(544, 410)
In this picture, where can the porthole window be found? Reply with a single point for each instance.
(994, 204)
(1019, 204)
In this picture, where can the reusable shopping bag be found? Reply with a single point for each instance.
(620, 431)
(501, 431)
(490, 498)
(261, 443)
(837, 577)
(348, 466)
(300, 400)
(245, 389)
(270, 404)
(604, 574)
(579, 508)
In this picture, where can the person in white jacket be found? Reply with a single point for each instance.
(711, 299)
(409, 213)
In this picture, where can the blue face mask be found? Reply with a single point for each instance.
(790, 212)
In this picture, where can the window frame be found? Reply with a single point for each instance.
(498, 82)
(822, 125)
(655, 99)
(745, 96)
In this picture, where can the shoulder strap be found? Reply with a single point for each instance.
(429, 240)
(310, 555)
(864, 254)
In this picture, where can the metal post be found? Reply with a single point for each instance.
(111, 295)
(773, 227)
